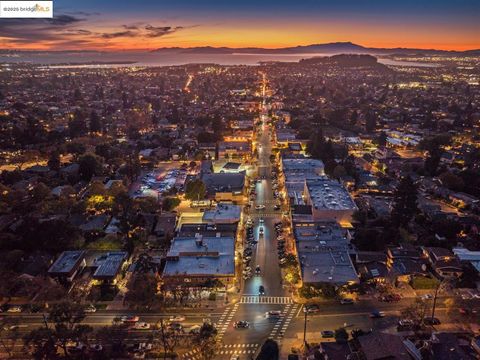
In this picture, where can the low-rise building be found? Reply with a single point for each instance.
(329, 200)
(68, 265)
(200, 261)
(108, 265)
(443, 262)
(223, 214)
(473, 257)
(234, 149)
(225, 187)
(324, 253)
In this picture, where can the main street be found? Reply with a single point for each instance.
(252, 306)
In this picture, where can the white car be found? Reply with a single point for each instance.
(141, 325)
(195, 329)
(177, 318)
(90, 309)
(273, 314)
(261, 220)
(14, 309)
(259, 207)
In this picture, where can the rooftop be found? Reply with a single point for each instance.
(67, 262)
(109, 264)
(223, 182)
(201, 256)
(323, 251)
(223, 213)
(329, 194)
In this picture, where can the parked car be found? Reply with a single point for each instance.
(177, 318)
(129, 318)
(328, 334)
(90, 308)
(141, 325)
(431, 321)
(14, 309)
(346, 301)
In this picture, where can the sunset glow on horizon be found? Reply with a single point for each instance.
(108, 26)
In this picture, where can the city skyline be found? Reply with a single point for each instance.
(442, 25)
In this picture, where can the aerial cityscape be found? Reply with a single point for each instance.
(209, 180)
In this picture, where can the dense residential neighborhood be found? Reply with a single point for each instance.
(328, 207)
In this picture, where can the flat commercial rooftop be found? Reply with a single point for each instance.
(201, 256)
(223, 213)
(329, 194)
(323, 251)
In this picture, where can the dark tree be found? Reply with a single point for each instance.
(89, 165)
(195, 190)
(405, 202)
(382, 139)
(54, 161)
(269, 350)
(370, 122)
(95, 122)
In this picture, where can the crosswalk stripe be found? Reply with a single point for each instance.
(265, 300)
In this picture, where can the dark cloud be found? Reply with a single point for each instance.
(71, 29)
(63, 20)
(130, 27)
(33, 30)
(117, 34)
(158, 31)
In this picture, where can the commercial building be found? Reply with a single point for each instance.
(329, 200)
(234, 149)
(324, 253)
(200, 261)
(223, 214)
(224, 186)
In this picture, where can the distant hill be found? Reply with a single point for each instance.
(329, 48)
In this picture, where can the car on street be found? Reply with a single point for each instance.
(327, 334)
(177, 318)
(431, 321)
(176, 326)
(260, 231)
(261, 221)
(261, 290)
(194, 329)
(242, 324)
(311, 308)
(90, 309)
(276, 207)
(405, 323)
(259, 207)
(273, 314)
(235, 357)
(346, 301)
(427, 297)
(377, 314)
(141, 325)
(14, 309)
(257, 270)
(130, 318)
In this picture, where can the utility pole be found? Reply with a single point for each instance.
(305, 327)
(435, 300)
